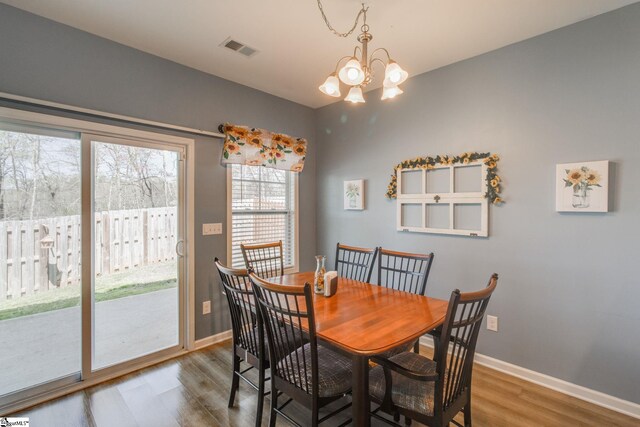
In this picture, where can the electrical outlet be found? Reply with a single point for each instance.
(209, 229)
(492, 323)
(206, 307)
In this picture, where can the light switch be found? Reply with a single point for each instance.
(209, 229)
(492, 323)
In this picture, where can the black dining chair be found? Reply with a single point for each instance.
(432, 392)
(406, 272)
(265, 259)
(306, 372)
(248, 338)
(355, 263)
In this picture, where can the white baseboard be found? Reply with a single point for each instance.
(213, 339)
(592, 396)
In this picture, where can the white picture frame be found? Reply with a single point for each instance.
(582, 186)
(353, 194)
(422, 200)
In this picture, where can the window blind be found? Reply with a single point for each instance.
(262, 210)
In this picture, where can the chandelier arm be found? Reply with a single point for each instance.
(385, 51)
(355, 51)
(355, 24)
(372, 60)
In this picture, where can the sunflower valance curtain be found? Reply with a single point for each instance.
(255, 147)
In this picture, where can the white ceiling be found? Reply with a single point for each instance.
(297, 51)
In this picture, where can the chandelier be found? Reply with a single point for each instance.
(357, 72)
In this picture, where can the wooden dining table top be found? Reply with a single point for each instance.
(367, 319)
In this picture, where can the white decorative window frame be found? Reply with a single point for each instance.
(451, 198)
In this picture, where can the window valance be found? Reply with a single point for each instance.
(259, 147)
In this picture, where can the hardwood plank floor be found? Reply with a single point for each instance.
(193, 391)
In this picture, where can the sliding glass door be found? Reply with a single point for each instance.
(39, 256)
(137, 237)
(92, 271)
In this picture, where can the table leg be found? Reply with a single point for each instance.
(360, 391)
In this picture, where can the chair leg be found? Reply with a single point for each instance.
(396, 416)
(274, 404)
(315, 413)
(407, 421)
(416, 347)
(235, 380)
(436, 346)
(260, 404)
(467, 415)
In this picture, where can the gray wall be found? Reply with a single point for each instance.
(43, 59)
(569, 290)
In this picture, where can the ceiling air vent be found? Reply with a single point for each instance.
(239, 47)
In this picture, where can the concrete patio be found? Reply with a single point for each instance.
(46, 346)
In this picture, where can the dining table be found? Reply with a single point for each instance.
(362, 320)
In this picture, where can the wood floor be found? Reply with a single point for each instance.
(193, 391)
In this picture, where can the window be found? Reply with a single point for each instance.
(263, 204)
(444, 200)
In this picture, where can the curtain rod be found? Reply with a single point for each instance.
(99, 114)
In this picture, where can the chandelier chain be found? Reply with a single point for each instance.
(355, 24)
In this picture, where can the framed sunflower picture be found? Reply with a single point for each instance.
(582, 187)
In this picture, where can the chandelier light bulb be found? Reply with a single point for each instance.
(389, 92)
(352, 73)
(355, 95)
(394, 74)
(331, 86)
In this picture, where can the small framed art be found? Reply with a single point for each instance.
(354, 195)
(582, 187)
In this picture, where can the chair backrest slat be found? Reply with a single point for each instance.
(286, 311)
(458, 343)
(266, 260)
(404, 271)
(238, 291)
(355, 263)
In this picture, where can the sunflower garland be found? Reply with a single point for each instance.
(491, 160)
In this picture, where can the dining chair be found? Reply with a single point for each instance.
(432, 392)
(355, 263)
(248, 338)
(404, 271)
(306, 372)
(265, 259)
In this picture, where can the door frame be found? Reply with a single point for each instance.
(40, 393)
(88, 162)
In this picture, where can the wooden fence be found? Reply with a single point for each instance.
(38, 255)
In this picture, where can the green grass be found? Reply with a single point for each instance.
(135, 289)
(38, 308)
(109, 294)
(133, 282)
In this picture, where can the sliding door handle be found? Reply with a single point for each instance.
(179, 247)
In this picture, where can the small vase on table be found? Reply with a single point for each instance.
(318, 280)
